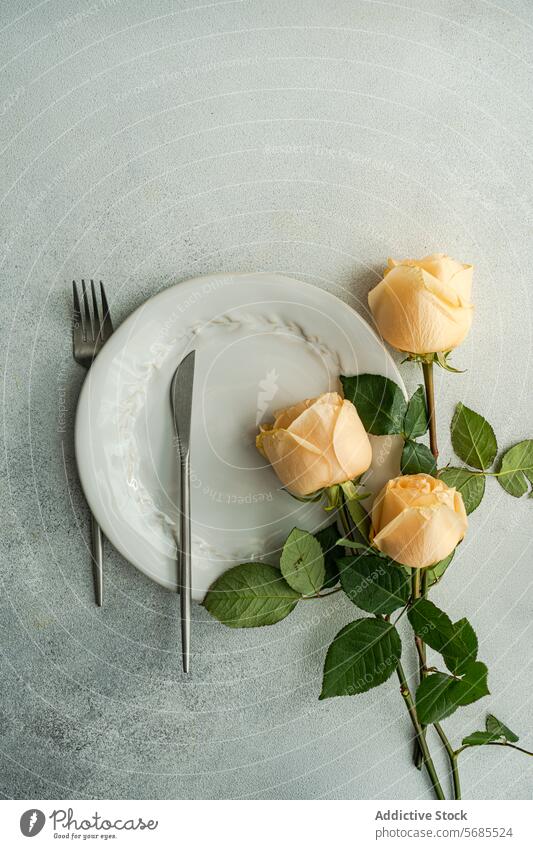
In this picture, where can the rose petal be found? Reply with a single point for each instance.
(300, 466)
(350, 442)
(420, 537)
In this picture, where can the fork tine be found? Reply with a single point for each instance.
(88, 320)
(77, 324)
(107, 326)
(96, 316)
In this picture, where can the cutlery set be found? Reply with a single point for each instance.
(91, 328)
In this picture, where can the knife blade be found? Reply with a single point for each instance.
(181, 394)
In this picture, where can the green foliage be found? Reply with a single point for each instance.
(416, 420)
(516, 468)
(379, 401)
(439, 695)
(250, 595)
(470, 484)
(302, 562)
(479, 738)
(363, 655)
(473, 438)
(456, 642)
(496, 732)
(417, 458)
(463, 648)
(375, 584)
(494, 726)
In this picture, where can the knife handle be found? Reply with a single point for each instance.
(184, 571)
(97, 558)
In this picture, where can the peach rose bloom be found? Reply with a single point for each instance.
(316, 443)
(423, 306)
(417, 520)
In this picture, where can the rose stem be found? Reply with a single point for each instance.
(408, 699)
(421, 648)
(453, 761)
(345, 521)
(427, 368)
(496, 743)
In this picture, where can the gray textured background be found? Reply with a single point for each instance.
(145, 143)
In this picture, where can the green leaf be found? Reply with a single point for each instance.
(363, 655)
(479, 738)
(473, 438)
(417, 458)
(516, 468)
(463, 649)
(473, 684)
(496, 732)
(471, 485)
(457, 643)
(302, 562)
(416, 420)
(379, 401)
(250, 595)
(435, 698)
(494, 726)
(436, 629)
(375, 584)
(328, 539)
(436, 572)
(439, 695)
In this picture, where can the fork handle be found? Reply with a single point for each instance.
(96, 551)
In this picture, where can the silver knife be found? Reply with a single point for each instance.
(181, 390)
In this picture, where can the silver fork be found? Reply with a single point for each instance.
(90, 330)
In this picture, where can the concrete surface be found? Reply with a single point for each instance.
(145, 143)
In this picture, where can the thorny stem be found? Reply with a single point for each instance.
(401, 613)
(408, 699)
(452, 755)
(496, 743)
(453, 760)
(427, 368)
(421, 649)
(345, 522)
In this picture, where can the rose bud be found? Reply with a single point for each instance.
(422, 306)
(315, 444)
(417, 520)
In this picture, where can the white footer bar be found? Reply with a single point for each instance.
(266, 824)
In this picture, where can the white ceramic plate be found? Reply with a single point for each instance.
(262, 342)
